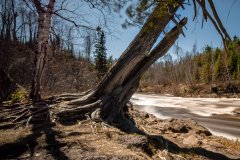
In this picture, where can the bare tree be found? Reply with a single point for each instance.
(88, 43)
(3, 17)
(31, 23)
(9, 20)
(44, 25)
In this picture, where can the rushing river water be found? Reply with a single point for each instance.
(217, 114)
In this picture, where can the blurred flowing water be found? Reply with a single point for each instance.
(216, 114)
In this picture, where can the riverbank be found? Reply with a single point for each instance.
(197, 90)
(162, 139)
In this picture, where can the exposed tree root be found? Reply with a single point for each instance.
(23, 114)
(69, 96)
(65, 112)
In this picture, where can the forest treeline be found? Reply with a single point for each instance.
(68, 73)
(212, 67)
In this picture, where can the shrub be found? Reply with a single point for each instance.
(18, 95)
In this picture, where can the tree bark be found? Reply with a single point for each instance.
(41, 51)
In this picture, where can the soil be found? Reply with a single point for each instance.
(160, 139)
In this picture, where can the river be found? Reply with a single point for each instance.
(216, 114)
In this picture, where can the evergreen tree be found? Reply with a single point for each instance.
(100, 55)
(218, 71)
(197, 68)
(206, 67)
(233, 58)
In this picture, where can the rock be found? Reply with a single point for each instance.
(186, 126)
(136, 142)
(215, 144)
(175, 135)
(73, 133)
(177, 126)
(192, 140)
(211, 144)
(215, 89)
(236, 112)
(146, 115)
(165, 155)
(203, 131)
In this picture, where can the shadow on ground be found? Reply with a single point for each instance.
(163, 143)
(30, 142)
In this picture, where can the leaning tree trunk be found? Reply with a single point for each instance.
(44, 24)
(107, 102)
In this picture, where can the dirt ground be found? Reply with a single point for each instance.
(160, 139)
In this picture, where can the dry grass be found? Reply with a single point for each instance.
(12, 135)
(231, 144)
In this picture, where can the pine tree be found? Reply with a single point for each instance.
(233, 56)
(206, 67)
(218, 71)
(100, 55)
(197, 68)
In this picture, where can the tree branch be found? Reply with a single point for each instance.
(162, 47)
(50, 6)
(73, 22)
(213, 21)
(39, 7)
(195, 9)
(218, 19)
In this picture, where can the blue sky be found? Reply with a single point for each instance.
(117, 43)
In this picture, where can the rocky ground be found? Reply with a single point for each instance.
(160, 139)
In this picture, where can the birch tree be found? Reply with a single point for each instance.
(41, 51)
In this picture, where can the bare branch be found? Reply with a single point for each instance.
(203, 4)
(178, 26)
(50, 6)
(27, 4)
(213, 21)
(73, 22)
(195, 9)
(218, 20)
(39, 7)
